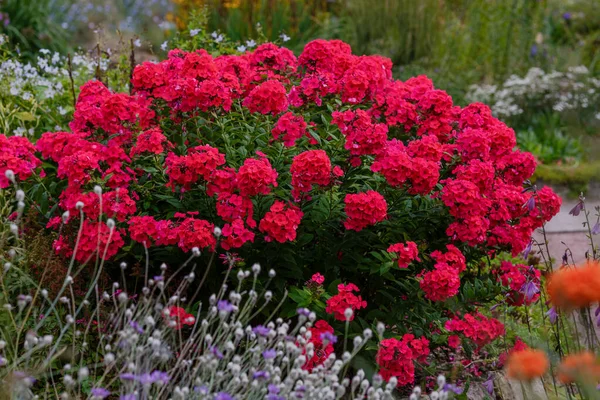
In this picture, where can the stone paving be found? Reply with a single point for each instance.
(566, 230)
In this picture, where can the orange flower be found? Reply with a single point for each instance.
(579, 367)
(526, 365)
(572, 288)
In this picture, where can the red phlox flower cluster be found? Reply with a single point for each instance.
(364, 78)
(269, 97)
(291, 127)
(309, 168)
(477, 327)
(222, 181)
(188, 232)
(256, 176)
(200, 161)
(396, 357)
(98, 109)
(392, 104)
(17, 155)
(405, 253)
(231, 207)
(427, 147)
(452, 257)
(362, 135)
(321, 352)
(97, 239)
(441, 283)
(194, 232)
(177, 317)
(143, 229)
(235, 235)
(281, 222)
(398, 168)
(435, 108)
(318, 278)
(364, 209)
(345, 299)
(118, 204)
(150, 141)
(313, 88)
(274, 58)
(322, 56)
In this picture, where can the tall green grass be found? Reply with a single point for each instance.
(301, 20)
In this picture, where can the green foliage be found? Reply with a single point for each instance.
(301, 20)
(546, 139)
(403, 30)
(576, 177)
(30, 28)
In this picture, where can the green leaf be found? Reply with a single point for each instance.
(25, 116)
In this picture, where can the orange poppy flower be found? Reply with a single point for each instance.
(526, 365)
(582, 367)
(571, 288)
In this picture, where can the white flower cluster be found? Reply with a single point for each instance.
(576, 89)
(45, 78)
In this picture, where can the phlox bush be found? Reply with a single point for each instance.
(320, 163)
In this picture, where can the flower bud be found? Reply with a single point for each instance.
(10, 175)
(348, 314)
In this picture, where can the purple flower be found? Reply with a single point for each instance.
(534, 50)
(223, 396)
(567, 16)
(161, 377)
(216, 352)
(99, 393)
(577, 209)
(450, 387)
(269, 354)
(303, 311)
(145, 379)
(527, 250)
(136, 326)
(489, 384)
(224, 305)
(552, 315)
(158, 278)
(329, 337)
(127, 376)
(529, 289)
(130, 396)
(203, 390)
(596, 228)
(261, 375)
(530, 204)
(261, 330)
(273, 389)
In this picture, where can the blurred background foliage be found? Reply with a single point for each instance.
(477, 50)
